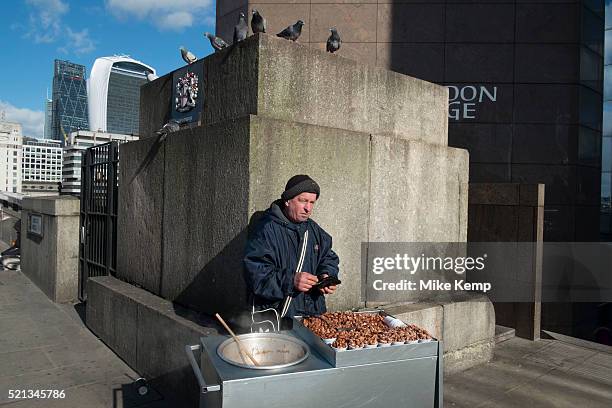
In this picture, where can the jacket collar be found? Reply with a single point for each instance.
(276, 213)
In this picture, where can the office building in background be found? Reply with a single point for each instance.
(73, 151)
(48, 131)
(114, 94)
(41, 166)
(10, 155)
(69, 112)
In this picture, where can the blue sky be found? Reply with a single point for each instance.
(35, 32)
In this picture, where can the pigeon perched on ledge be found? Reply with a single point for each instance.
(241, 29)
(172, 126)
(188, 56)
(258, 22)
(292, 32)
(217, 42)
(334, 41)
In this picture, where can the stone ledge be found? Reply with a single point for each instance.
(465, 324)
(468, 319)
(149, 333)
(258, 76)
(503, 333)
(53, 205)
(430, 316)
(468, 357)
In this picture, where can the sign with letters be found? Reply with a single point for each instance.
(463, 101)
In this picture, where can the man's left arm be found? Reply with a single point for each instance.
(329, 260)
(328, 267)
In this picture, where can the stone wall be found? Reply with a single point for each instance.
(149, 333)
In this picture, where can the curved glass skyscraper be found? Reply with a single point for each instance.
(114, 94)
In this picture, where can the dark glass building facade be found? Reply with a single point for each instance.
(606, 141)
(123, 102)
(525, 81)
(69, 112)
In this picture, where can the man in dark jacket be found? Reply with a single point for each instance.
(276, 246)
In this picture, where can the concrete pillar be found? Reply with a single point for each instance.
(375, 140)
(50, 245)
(513, 212)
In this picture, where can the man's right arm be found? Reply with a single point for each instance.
(263, 275)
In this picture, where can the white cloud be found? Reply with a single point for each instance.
(77, 42)
(45, 19)
(46, 26)
(175, 21)
(49, 10)
(51, 6)
(32, 122)
(165, 14)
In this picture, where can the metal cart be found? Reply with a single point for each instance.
(408, 375)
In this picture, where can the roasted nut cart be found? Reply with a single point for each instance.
(300, 370)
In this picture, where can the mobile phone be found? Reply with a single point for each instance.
(327, 281)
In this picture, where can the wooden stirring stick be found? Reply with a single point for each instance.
(242, 350)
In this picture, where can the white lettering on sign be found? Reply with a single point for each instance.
(462, 101)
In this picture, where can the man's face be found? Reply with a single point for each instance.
(300, 207)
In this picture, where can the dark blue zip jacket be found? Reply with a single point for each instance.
(271, 257)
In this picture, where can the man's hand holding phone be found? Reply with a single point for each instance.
(326, 284)
(304, 281)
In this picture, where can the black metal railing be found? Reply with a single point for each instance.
(98, 221)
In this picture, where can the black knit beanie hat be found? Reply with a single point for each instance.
(300, 184)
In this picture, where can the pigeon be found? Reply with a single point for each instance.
(292, 32)
(169, 127)
(217, 42)
(241, 29)
(188, 56)
(151, 77)
(258, 22)
(334, 41)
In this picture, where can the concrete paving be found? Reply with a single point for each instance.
(544, 373)
(44, 345)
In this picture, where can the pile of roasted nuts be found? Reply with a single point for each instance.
(357, 330)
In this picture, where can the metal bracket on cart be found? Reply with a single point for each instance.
(204, 388)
